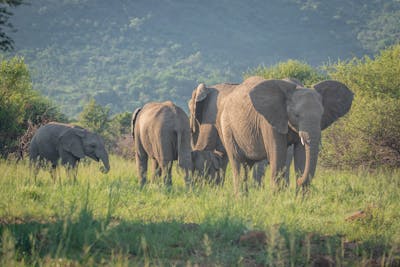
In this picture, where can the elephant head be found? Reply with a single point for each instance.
(204, 107)
(209, 164)
(289, 107)
(80, 143)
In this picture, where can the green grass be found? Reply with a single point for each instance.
(105, 219)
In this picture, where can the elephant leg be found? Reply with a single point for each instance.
(34, 169)
(259, 171)
(188, 179)
(289, 157)
(155, 169)
(235, 164)
(299, 155)
(141, 166)
(72, 172)
(53, 174)
(245, 178)
(70, 163)
(166, 170)
(277, 159)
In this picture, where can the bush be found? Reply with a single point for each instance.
(289, 69)
(20, 105)
(370, 134)
(95, 117)
(115, 130)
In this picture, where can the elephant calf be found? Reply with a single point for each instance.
(161, 132)
(57, 141)
(209, 164)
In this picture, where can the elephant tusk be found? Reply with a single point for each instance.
(302, 141)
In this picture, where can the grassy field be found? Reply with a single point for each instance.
(347, 219)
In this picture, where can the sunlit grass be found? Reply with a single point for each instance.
(107, 219)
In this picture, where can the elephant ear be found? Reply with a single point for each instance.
(336, 100)
(216, 158)
(71, 141)
(269, 99)
(298, 83)
(133, 121)
(201, 92)
(199, 95)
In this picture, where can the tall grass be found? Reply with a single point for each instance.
(107, 219)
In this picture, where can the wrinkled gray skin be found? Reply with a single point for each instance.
(161, 132)
(67, 143)
(205, 135)
(209, 164)
(260, 118)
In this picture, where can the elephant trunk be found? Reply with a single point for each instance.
(311, 156)
(106, 163)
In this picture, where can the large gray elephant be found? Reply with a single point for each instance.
(57, 141)
(258, 119)
(161, 132)
(204, 132)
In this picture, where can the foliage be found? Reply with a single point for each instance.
(289, 69)
(20, 104)
(375, 24)
(348, 219)
(95, 117)
(370, 134)
(115, 130)
(6, 42)
(128, 54)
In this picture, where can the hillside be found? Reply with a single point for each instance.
(126, 53)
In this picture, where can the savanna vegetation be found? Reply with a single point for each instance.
(126, 54)
(349, 218)
(118, 59)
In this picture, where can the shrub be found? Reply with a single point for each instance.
(95, 117)
(20, 105)
(370, 134)
(289, 69)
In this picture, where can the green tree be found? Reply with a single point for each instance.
(370, 134)
(95, 117)
(6, 43)
(19, 103)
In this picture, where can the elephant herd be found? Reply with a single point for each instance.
(253, 123)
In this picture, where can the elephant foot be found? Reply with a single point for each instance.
(142, 182)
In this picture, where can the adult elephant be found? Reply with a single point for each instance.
(204, 107)
(57, 141)
(258, 119)
(161, 132)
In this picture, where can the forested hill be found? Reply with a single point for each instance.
(125, 53)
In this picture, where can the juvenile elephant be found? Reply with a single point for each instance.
(260, 118)
(209, 164)
(259, 167)
(161, 132)
(57, 141)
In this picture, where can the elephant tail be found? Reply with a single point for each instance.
(133, 121)
(184, 150)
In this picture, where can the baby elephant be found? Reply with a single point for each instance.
(57, 141)
(209, 164)
(161, 132)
